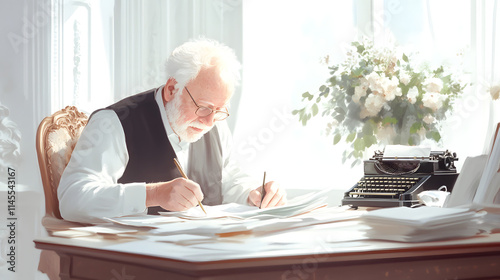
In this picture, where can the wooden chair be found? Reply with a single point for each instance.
(55, 140)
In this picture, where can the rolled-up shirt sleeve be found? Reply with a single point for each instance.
(89, 188)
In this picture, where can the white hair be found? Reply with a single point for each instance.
(186, 61)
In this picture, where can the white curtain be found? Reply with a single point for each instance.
(105, 50)
(486, 44)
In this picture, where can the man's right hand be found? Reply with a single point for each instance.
(177, 195)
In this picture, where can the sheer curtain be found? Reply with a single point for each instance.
(105, 50)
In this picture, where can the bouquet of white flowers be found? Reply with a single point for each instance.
(378, 95)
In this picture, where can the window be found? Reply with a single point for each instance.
(82, 54)
(284, 42)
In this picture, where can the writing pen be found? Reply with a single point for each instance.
(263, 191)
(179, 167)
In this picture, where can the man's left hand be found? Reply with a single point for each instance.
(275, 196)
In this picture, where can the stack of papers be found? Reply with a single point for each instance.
(421, 224)
(232, 219)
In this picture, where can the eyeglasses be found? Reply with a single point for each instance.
(203, 111)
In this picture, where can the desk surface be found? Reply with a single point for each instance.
(97, 257)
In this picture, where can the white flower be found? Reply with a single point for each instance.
(432, 100)
(373, 105)
(495, 92)
(359, 92)
(412, 95)
(428, 119)
(375, 81)
(398, 92)
(404, 78)
(391, 88)
(434, 85)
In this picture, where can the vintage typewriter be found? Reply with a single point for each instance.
(394, 181)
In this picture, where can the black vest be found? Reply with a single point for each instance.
(151, 154)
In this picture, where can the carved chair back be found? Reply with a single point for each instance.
(55, 140)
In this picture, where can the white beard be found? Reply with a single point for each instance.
(174, 116)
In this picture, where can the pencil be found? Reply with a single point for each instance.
(263, 192)
(179, 167)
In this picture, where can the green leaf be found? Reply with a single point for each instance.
(325, 92)
(415, 127)
(307, 95)
(359, 144)
(370, 140)
(360, 48)
(405, 58)
(337, 138)
(390, 120)
(350, 137)
(358, 72)
(436, 136)
(356, 162)
(314, 109)
(339, 118)
(333, 81)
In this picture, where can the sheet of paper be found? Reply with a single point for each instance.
(144, 220)
(105, 229)
(295, 206)
(416, 216)
(489, 187)
(406, 151)
(467, 182)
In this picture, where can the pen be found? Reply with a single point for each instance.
(179, 167)
(263, 191)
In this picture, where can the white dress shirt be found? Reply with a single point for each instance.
(89, 188)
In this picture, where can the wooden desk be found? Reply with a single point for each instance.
(133, 259)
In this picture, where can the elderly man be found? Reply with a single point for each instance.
(123, 162)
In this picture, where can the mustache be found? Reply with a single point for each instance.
(201, 126)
